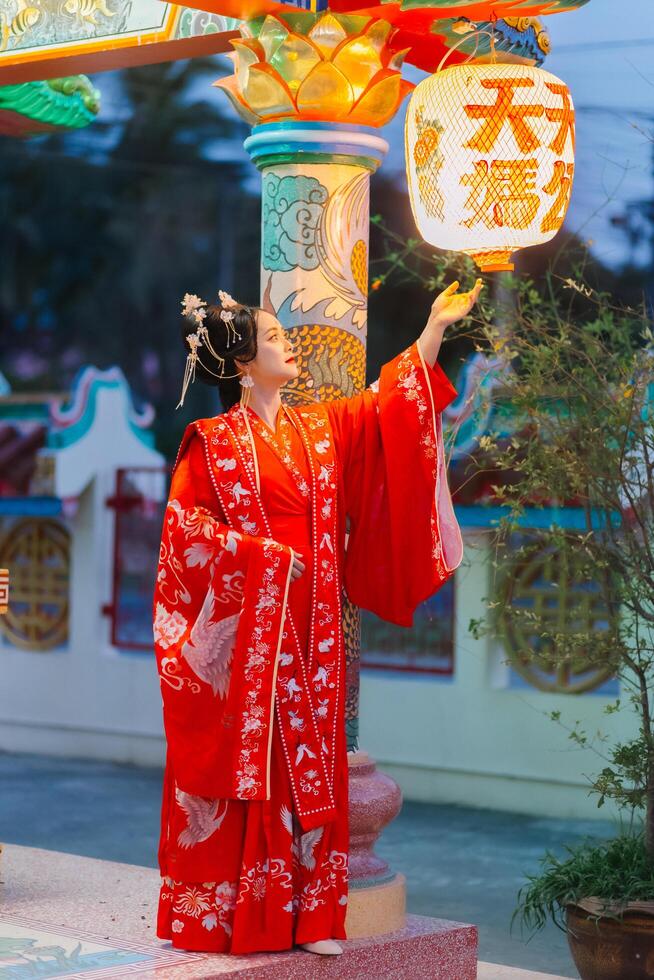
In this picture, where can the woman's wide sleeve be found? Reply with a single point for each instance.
(404, 540)
(207, 581)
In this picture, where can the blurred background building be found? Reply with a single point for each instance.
(110, 214)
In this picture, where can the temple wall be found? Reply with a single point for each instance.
(473, 739)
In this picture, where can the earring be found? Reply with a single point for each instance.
(247, 384)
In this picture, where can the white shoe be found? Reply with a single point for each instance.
(326, 947)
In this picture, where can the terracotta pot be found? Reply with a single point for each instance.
(612, 949)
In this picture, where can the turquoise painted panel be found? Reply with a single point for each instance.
(572, 518)
(30, 506)
(292, 208)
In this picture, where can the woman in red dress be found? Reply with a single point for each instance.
(247, 618)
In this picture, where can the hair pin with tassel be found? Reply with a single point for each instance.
(195, 308)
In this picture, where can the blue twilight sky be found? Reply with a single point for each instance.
(605, 54)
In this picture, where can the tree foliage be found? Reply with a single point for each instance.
(574, 435)
(108, 228)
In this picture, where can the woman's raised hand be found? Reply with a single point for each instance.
(450, 306)
(298, 566)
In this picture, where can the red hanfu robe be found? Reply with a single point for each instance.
(254, 835)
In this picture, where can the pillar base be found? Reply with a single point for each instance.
(373, 910)
(375, 800)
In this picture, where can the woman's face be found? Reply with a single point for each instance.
(274, 363)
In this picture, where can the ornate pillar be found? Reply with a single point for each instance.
(314, 272)
(314, 278)
(316, 87)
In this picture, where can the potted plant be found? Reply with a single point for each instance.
(601, 896)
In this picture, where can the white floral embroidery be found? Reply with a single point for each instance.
(310, 783)
(323, 708)
(298, 723)
(414, 391)
(217, 900)
(168, 627)
(192, 902)
(254, 881)
(333, 876)
(246, 784)
(225, 897)
(231, 541)
(194, 522)
(198, 521)
(313, 428)
(198, 554)
(251, 723)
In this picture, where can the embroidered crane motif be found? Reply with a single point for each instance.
(209, 649)
(303, 845)
(239, 491)
(201, 816)
(303, 750)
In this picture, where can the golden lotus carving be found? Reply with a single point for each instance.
(325, 67)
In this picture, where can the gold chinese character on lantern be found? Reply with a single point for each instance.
(497, 176)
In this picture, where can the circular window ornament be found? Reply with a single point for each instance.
(545, 599)
(37, 553)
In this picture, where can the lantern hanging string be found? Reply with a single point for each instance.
(477, 34)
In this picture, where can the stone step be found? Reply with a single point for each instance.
(59, 900)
